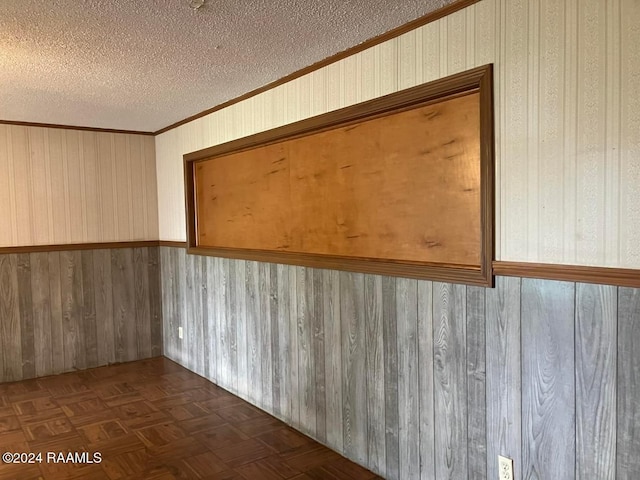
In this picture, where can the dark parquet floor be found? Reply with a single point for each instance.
(152, 419)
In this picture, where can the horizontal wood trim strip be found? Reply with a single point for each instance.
(73, 127)
(469, 275)
(396, 32)
(623, 277)
(171, 243)
(80, 246)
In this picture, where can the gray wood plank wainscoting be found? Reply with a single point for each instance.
(69, 310)
(415, 379)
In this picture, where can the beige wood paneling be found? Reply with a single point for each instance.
(62, 186)
(567, 77)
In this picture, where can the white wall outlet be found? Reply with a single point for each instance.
(179, 332)
(505, 468)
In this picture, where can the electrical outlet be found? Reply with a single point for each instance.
(179, 332)
(505, 468)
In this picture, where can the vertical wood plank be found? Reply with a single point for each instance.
(596, 344)
(136, 171)
(235, 331)
(391, 413)
(450, 386)
(155, 300)
(354, 387)
(74, 188)
(375, 373)
(333, 359)
(202, 294)
(41, 311)
(10, 337)
(569, 134)
(71, 289)
(88, 318)
(550, 176)
(513, 113)
(226, 342)
(25, 307)
(180, 303)
(276, 374)
(425, 380)
(90, 185)
(219, 289)
(592, 124)
(242, 352)
(408, 408)
(122, 185)
(21, 184)
(629, 189)
(548, 385)
(504, 388)
(306, 370)
(193, 344)
(105, 187)
(7, 229)
(476, 384)
(122, 275)
(103, 289)
(628, 411)
(141, 300)
(166, 281)
(253, 319)
(208, 317)
(151, 185)
(317, 332)
(189, 344)
(294, 394)
(265, 308)
(209, 304)
(57, 328)
(283, 379)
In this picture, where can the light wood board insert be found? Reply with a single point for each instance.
(390, 182)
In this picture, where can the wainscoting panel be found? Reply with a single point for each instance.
(418, 379)
(77, 309)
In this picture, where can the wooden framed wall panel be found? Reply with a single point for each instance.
(400, 185)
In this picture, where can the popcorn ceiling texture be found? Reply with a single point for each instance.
(143, 65)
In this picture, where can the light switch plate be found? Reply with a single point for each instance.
(179, 332)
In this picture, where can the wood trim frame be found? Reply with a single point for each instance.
(622, 277)
(476, 80)
(391, 34)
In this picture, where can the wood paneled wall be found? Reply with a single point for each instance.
(567, 77)
(418, 379)
(64, 311)
(61, 186)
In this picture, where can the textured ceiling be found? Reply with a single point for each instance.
(143, 65)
